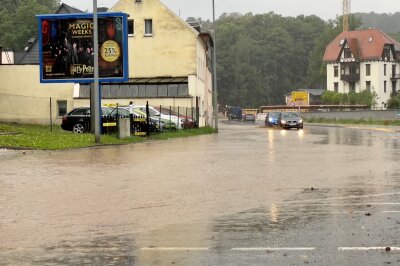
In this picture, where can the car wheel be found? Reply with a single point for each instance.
(78, 129)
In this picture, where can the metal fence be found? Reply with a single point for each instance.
(26, 109)
(378, 115)
(49, 111)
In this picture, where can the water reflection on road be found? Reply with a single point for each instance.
(193, 201)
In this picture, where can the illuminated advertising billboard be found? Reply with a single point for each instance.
(66, 47)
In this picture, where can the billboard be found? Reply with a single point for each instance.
(66, 48)
(300, 98)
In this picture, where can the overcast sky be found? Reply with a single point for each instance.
(326, 9)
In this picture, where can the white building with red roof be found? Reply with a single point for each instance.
(364, 60)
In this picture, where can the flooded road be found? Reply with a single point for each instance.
(249, 195)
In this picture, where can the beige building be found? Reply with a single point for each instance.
(169, 65)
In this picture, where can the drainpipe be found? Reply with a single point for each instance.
(1, 55)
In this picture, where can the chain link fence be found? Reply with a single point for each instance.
(49, 111)
(27, 109)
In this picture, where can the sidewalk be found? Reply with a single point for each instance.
(356, 126)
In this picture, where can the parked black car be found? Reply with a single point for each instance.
(78, 120)
(291, 120)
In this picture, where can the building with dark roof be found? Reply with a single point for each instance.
(364, 60)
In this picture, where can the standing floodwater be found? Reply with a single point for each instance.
(249, 195)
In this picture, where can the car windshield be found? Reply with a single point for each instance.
(290, 115)
(121, 111)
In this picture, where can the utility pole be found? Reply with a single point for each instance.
(215, 98)
(96, 92)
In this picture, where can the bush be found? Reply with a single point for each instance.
(394, 102)
(363, 98)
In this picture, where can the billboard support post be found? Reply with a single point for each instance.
(96, 87)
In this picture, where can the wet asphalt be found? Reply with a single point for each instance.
(249, 195)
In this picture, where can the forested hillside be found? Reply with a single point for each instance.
(389, 23)
(263, 57)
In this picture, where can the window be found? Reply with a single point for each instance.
(106, 91)
(386, 54)
(347, 53)
(123, 91)
(61, 108)
(353, 70)
(172, 90)
(138, 1)
(148, 27)
(163, 90)
(183, 90)
(335, 71)
(384, 86)
(384, 69)
(142, 91)
(131, 27)
(336, 86)
(368, 69)
(151, 90)
(394, 71)
(368, 85)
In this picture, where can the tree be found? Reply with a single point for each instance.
(18, 23)
(394, 102)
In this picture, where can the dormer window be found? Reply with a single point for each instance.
(386, 54)
(347, 53)
(138, 1)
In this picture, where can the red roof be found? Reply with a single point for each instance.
(364, 44)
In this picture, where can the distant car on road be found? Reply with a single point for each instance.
(78, 120)
(249, 118)
(235, 113)
(291, 120)
(272, 119)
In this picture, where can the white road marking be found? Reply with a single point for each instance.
(175, 248)
(396, 193)
(274, 249)
(391, 211)
(367, 248)
(351, 204)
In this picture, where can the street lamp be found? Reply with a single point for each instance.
(215, 91)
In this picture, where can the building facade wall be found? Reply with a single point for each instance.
(169, 51)
(377, 79)
(30, 99)
(173, 50)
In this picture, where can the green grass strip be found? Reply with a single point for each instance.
(41, 138)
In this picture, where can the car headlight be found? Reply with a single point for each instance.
(270, 119)
(283, 121)
(301, 121)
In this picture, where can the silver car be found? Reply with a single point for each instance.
(291, 120)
